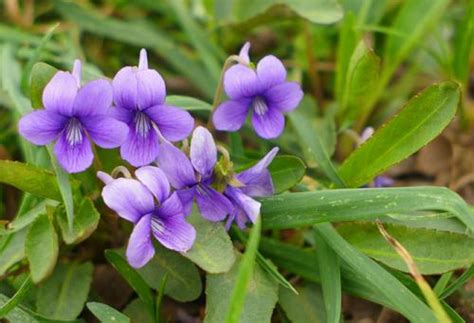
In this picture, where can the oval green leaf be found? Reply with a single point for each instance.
(107, 314)
(260, 297)
(85, 222)
(31, 179)
(212, 250)
(63, 295)
(41, 248)
(183, 282)
(434, 252)
(422, 119)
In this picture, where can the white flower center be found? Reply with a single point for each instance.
(259, 105)
(74, 132)
(157, 225)
(142, 124)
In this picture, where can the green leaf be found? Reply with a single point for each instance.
(309, 208)
(17, 314)
(138, 312)
(306, 306)
(41, 248)
(244, 275)
(12, 249)
(464, 278)
(183, 281)
(260, 297)
(188, 103)
(329, 269)
(286, 172)
(303, 262)
(63, 295)
(107, 314)
(132, 277)
(22, 220)
(41, 74)
(348, 39)
(28, 178)
(362, 80)
(17, 298)
(422, 119)
(212, 250)
(64, 185)
(372, 273)
(85, 222)
(317, 11)
(434, 252)
(310, 143)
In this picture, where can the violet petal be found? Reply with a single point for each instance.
(74, 157)
(129, 198)
(203, 151)
(155, 180)
(176, 166)
(170, 227)
(268, 125)
(248, 205)
(151, 89)
(59, 93)
(174, 123)
(94, 98)
(231, 115)
(284, 97)
(270, 72)
(140, 149)
(41, 126)
(213, 206)
(105, 131)
(140, 248)
(125, 88)
(186, 195)
(240, 81)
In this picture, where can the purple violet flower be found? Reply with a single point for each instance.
(193, 178)
(147, 203)
(139, 96)
(257, 182)
(265, 91)
(74, 115)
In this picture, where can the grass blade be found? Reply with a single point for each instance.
(245, 272)
(375, 275)
(329, 270)
(464, 278)
(133, 278)
(311, 142)
(64, 186)
(309, 208)
(17, 298)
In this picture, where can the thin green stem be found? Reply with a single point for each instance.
(159, 298)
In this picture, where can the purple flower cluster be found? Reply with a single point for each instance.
(75, 115)
(130, 112)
